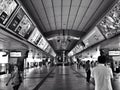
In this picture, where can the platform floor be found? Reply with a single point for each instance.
(61, 78)
(31, 78)
(64, 78)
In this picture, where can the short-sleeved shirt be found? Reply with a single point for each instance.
(102, 76)
(15, 78)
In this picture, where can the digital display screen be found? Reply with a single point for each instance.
(110, 24)
(35, 36)
(21, 24)
(7, 7)
(93, 37)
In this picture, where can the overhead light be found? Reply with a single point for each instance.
(70, 37)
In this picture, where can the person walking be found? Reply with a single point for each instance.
(102, 75)
(16, 78)
(88, 71)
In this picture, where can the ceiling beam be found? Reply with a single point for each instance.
(53, 7)
(84, 14)
(61, 12)
(75, 33)
(93, 15)
(69, 13)
(76, 14)
(46, 14)
(38, 15)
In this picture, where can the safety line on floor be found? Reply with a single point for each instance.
(43, 80)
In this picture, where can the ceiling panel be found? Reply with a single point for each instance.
(47, 3)
(57, 11)
(100, 12)
(95, 4)
(90, 13)
(51, 19)
(85, 3)
(58, 21)
(75, 3)
(49, 11)
(64, 21)
(66, 3)
(77, 15)
(65, 10)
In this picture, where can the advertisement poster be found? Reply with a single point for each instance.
(16, 20)
(21, 24)
(24, 26)
(7, 7)
(35, 36)
(41, 43)
(110, 24)
(93, 37)
(47, 49)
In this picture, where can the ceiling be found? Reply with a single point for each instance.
(65, 22)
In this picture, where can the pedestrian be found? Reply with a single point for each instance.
(16, 78)
(102, 75)
(88, 71)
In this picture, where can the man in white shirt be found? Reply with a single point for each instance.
(102, 75)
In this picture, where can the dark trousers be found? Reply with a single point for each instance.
(88, 75)
(16, 87)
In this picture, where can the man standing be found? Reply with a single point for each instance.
(102, 75)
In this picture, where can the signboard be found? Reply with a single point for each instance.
(93, 37)
(110, 24)
(7, 8)
(114, 53)
(47, 49)
(35, 36)
(41, 43)
(77, 48)
(21, 24)
(15, 54)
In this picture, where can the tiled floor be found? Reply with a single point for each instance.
(32, 78)
(62, 78)
(115, 83)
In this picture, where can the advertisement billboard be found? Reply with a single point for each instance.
(21, 24)
(93, 37)
(110, 24)
(7, 8)
(42, 43)
(35, 36)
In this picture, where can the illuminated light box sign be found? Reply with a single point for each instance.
(7, 8)
(15, 54)
(77, 48)
(45, 46)
(35, 36)
(41, 43)
(47, 49)
(110, 24)
(21, 24)
(114, 53)
(93, 37)
(70, 53)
